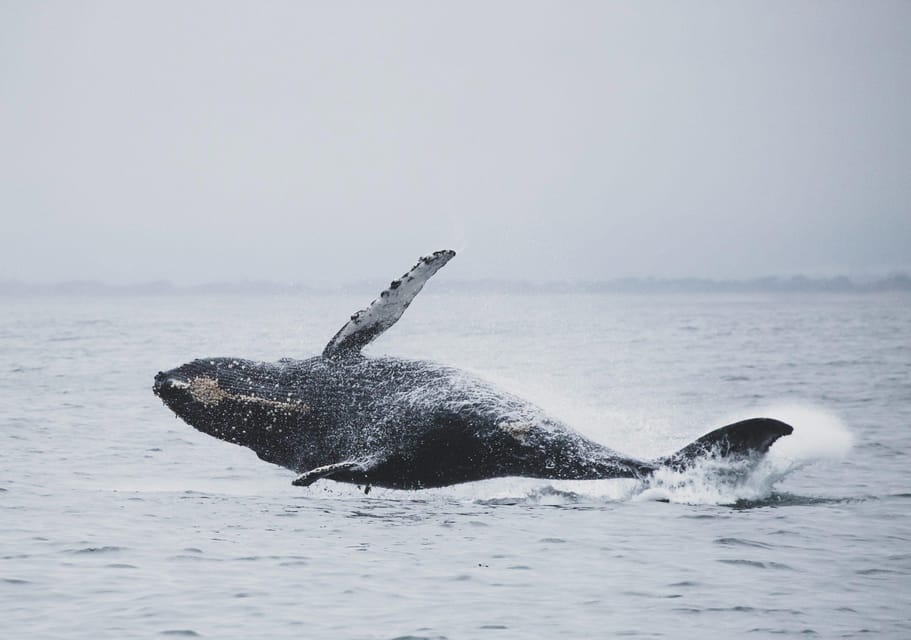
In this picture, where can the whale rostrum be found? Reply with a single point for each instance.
(407, 424)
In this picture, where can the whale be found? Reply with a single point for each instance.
(409, 424)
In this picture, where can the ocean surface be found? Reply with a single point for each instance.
(119, 521)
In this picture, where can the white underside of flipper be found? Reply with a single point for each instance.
(367, 324)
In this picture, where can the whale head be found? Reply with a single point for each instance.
(239, 401)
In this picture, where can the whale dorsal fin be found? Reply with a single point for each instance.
(383, 312)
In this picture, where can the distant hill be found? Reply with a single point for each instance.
(793, 284)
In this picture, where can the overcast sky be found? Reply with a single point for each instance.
(334, 141)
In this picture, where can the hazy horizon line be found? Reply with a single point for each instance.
(766, 284)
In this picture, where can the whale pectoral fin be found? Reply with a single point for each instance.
(744, 439)
(367, 324)
(309, 477)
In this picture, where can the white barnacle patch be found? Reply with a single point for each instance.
(518, 430)
(206, 391)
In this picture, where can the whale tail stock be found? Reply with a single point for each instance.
(742, 440)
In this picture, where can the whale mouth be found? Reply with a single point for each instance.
(191, 395)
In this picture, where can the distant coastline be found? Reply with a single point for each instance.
(772, 284)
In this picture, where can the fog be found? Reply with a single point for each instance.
(330, 142)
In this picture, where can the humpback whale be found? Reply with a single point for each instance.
(407, 424)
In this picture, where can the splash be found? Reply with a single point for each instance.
(819, 436)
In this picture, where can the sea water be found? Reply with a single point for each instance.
(119, 521)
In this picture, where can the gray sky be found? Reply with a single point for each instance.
(323, 142)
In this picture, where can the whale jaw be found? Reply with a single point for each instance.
(237, 401)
